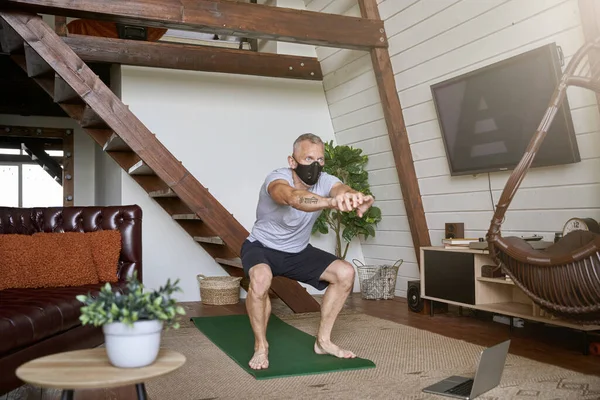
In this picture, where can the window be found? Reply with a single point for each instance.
(39, 189)
(9, 182)
(28, 185)
(23, 183)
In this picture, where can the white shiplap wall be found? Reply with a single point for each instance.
(431, 41)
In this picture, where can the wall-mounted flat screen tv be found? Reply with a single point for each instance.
(487, 117)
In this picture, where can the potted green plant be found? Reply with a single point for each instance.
(132, 322)
(348, 164)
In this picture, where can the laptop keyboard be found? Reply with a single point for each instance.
(463, 389)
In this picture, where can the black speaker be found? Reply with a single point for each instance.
(454, 230)
(413, 296)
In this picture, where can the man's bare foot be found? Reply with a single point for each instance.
(260, 360)
(330, 348)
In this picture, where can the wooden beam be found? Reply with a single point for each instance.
(394, 120)
(226, 18)
(29, 131)
(195, 58)
(589, 11)
(14, 142)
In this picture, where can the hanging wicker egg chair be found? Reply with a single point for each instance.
(563, 279)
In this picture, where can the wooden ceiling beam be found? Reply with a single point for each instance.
(195, 58)
(394, 119)
(225, 17)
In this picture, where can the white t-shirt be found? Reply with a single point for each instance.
(282, 227)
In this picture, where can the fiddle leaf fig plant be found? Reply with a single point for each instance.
(348, 164)
(133, 305)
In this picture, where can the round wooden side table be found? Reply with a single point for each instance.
(90, 369)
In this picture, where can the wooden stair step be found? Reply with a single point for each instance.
(75, 111)
(63, 93)
(36, 65)
(9, 39)
(209, 239)
(163, 193)
(185, 217)
(100, 136)
(46, 82)
(90, 119)
(232, 262)
(150, 183)
(140, 168)
(115, 143)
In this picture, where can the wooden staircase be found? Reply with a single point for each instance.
(36, 48)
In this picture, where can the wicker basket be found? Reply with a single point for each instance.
(377, 281)
(219, 290)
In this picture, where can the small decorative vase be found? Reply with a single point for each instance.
(132, 346)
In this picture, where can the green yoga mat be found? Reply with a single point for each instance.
(290, 350)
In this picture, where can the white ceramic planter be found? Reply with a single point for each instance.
(132, 346)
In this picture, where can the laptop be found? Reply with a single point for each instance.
(487, 376)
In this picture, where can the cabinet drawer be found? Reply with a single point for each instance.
(449, 275)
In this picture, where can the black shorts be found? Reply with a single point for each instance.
(306, 266)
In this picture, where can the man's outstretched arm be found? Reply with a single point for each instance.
(351, 199)
(282, 193)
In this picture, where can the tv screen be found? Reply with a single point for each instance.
(488, 116)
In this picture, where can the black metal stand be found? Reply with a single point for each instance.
(140, 388)
(67, 394)
(431, 307)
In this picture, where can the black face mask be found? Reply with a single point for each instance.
(309, 174)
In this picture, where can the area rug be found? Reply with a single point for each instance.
(287, 347)
(407, 359)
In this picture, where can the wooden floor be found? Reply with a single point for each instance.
(552, 345)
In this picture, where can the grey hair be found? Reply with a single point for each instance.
(307, 136)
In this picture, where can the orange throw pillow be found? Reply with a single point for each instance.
(106, 251)
(46, 260)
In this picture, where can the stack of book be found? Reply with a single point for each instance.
(459, 243)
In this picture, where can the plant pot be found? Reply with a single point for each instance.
(132, 346)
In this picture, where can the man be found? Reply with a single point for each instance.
(290, 201)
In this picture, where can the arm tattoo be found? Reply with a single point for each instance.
(308, 200)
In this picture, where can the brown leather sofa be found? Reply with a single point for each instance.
(38, 322)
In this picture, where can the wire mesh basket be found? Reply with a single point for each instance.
(377, 282)
(219, 290)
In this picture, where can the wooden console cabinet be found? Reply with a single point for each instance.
(453, 276)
